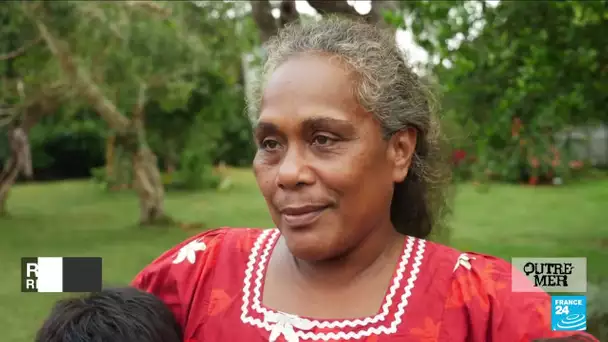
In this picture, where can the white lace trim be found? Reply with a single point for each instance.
(270, 317)
(388, 301)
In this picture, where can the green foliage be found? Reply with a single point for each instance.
(36, 68)
(541, 73)
(121, 45)
(195, 172)
(214, 116)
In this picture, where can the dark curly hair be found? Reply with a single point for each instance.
(112, 315)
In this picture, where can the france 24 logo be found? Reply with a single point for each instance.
(568, 313)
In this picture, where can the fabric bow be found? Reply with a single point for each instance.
(283, 324)
(464, 261)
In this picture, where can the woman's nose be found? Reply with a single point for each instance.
(294, 170)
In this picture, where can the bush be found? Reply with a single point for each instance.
(99, 176)
(192, 179)
(525, 155)
(195, 172)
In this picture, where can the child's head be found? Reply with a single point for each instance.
(112, 315)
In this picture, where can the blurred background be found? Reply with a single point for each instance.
(124, 128)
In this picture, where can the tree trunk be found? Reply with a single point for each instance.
(146, 175)
(7, 179)
(170, 166)
(171, 157)
(289, 13)
(110, 156)
(149, 187)
(19, 161)
(262, 15)
(44, 102)
(266, 22)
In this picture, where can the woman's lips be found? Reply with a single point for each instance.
(303, 215)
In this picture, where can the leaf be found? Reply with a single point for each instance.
(218, 302)
(429, 332)
(465, 288)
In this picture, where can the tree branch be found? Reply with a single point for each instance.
(38, 103)
(20, 51)
(46, 102)
(104, 107)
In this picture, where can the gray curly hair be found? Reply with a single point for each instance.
(388, 88)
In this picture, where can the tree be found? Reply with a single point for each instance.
(214, 112)
(24, 99)
(269, 25)
(118, 25)
(513, 81)
(19, 120)
(114, 57)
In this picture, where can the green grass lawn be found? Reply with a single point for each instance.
(78, 219)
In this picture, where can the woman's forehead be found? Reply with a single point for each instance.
(310, 86)
(311, 75)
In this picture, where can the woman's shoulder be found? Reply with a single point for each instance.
(465, 262)
(178, 273)
(199, 253)
(484, 275)
(209, 242)
(490, 273)
(495, 297)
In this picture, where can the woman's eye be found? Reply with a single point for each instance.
(322, 140)
(269, 144)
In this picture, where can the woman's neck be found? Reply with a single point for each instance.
(375, 251)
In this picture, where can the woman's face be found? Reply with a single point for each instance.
(322, 165)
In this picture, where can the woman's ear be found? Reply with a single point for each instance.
(403, 147)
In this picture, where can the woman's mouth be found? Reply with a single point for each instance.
(302, 215)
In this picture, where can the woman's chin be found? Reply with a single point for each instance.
(309, 245)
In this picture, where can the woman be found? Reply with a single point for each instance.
(347, 160)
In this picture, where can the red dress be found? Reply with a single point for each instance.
(213, 283)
